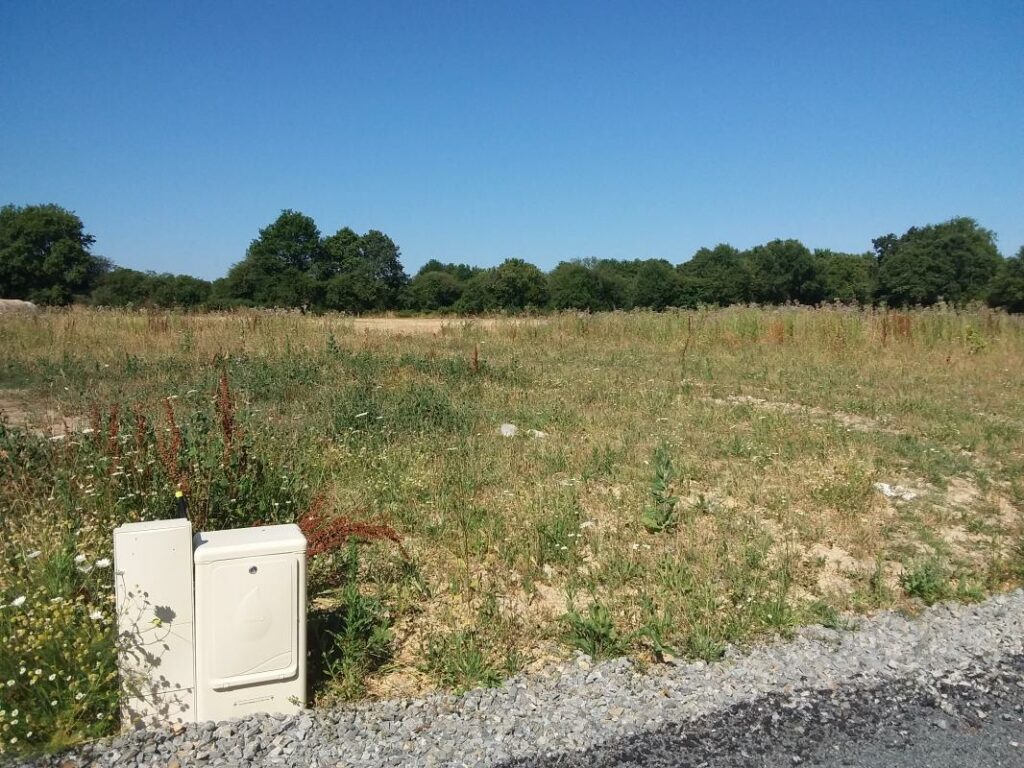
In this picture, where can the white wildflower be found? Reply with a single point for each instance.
(79, 559)
(103, 562)
(96, 615)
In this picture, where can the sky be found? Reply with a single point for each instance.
(479, 131)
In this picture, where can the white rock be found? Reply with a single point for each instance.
(897, 491)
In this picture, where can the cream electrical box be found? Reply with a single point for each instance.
(250, 639)
(153, 599)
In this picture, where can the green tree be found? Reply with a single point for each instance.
(45, 256)
(293, 240)
(359, 273)
(783, 271)
(717, 276)
(461, 271)
(383, 257)
(338, 253)
(573, 285)
(1007, 288)
(122, 287)
(179, 291)
(848, 278)
(616, 279)
(953, 261)
(277, 268)
(517, 285)
(656, 285)
(434, 290)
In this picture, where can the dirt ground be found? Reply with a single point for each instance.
(17, 410)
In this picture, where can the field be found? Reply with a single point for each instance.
(677, 482)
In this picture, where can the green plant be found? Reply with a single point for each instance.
(701, 644)
(828, 616)
(58, 675)
(460, 660)
(926, 579)
(594, 632)
(661, 515)
(656, 627)
(351, 637)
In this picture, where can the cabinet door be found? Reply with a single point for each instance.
(250, 630)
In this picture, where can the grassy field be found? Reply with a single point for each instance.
(679, 481)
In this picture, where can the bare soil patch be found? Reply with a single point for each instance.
(19, 410)
(849, 420)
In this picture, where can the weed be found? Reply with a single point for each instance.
(351, 638)
(459, 660)
(593, 632)
(927, 579)
(661, 515)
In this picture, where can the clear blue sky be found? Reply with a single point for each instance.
(478, 131)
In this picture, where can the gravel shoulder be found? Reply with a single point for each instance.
(892, 672)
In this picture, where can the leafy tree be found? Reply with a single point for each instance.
(293, 240)
(783, 271)
(461, 271)
(478, 294)
(179, 291)
(359, 273)
(382, 256)
(44, 255)
(955, 261)
(1007, 289)
(276, 270)
(434, 290)
(129, 287)
(338, 253)
(353, 290)
(717, 276)
(517, 285)
(122, 287)
(847, 277)
(656, 285)
(572, 285)
(616, 279)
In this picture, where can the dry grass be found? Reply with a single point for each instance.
(778, 424)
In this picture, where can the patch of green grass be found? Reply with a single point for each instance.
(459, 660)
(594, 633)
(928, 580)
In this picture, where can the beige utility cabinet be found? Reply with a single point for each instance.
(250, 636)
(153, 595)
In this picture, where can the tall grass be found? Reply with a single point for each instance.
(706, 478)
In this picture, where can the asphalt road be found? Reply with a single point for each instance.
(973, 721)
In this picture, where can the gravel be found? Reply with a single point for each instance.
(587, 713)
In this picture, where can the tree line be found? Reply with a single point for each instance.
(45, 257)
